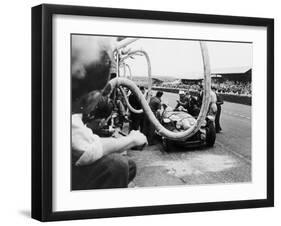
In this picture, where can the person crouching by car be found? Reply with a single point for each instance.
(96, 161)
(183, 101)
(155, 105)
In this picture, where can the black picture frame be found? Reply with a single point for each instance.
(42, 107)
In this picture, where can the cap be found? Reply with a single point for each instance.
(181, 92)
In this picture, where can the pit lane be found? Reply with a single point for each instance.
(229, 161)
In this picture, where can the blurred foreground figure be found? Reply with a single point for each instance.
(96, 162)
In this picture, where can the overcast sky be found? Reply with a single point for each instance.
(182, 58)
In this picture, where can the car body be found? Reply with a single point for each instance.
(180, 120)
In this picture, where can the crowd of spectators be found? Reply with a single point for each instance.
(235, 87)
(225, 87)
(180, 86)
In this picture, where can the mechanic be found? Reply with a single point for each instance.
(183, 101)
(120, 103)
(96, 162)
(213, 103)
(194, 106)
(121, 108)
(217, 119)
(155, 105)
(137, 120)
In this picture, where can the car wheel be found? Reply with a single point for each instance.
(210, 134)
(166, 145)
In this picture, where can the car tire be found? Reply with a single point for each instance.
(166, 145)
(210, 134)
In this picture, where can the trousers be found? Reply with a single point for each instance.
(111, 171)
(217, 119)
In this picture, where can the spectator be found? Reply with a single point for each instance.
(227, 86)
(234, 87)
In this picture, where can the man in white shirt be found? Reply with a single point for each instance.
(213, 102)
(96, 161)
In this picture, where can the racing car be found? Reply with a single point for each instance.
(180, 120)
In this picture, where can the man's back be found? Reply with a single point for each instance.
(135, 103)
(155, 104)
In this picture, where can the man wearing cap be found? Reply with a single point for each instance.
(183, 100)
(96, 162)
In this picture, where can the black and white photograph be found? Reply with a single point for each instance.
(141, 112)
(154, 112)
